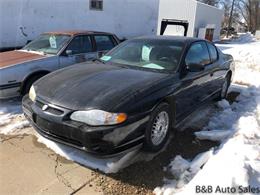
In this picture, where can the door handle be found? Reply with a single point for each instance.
(211, 74)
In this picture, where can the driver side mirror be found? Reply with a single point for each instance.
(194, 67)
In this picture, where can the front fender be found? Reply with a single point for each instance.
(13, 74)
(146, 101)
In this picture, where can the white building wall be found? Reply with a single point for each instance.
(126, 18)
(208, 15)
(179, 10)
(23, 20)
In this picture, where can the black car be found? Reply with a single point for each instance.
(132, 96)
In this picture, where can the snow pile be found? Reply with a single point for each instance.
(12, 106)
(245, 38)
(12, 121)
(106, 165)
(236, 163)
(214, 135)
(5, 119)
(16, 128)
(183, 171)
(247, 58)
(223, 104)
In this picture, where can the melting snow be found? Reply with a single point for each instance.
(11, 117)
(214, 135)
(223, 104)
(106, 165)
(16, 128)
(183, 171)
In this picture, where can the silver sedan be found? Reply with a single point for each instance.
(19, 69)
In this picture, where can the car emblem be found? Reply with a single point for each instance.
(45, 107)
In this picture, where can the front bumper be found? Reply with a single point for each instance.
(55, 124)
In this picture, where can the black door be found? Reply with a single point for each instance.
(217, 74)
(194, 84)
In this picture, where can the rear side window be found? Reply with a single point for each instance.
(104, 42)
(80, 44)
(213, 52)
(198, 54)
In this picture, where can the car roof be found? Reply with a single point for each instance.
(76, 32)
(173, 38)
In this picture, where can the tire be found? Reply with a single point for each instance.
(158, 128)
(29, 83)
(224, 89)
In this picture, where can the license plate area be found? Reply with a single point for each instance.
(57, 131)
(43, 124)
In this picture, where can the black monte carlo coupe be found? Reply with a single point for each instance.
(131, 97)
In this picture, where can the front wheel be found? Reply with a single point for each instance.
(158, 129)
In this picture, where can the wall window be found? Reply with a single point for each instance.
(96, 5)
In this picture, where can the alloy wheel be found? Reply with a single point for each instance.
(160, 128)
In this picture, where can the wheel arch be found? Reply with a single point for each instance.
(171, 100)
(230, 75)
(30, 76)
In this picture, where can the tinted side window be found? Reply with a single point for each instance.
(80, 44)
(213, 52)
(104, 42)
(198, 54)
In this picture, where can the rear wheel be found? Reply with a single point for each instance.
(158, 129)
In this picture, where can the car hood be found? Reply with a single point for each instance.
(17, 57)
(97, 85)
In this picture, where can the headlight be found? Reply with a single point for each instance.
(98, 117)
(32, 93)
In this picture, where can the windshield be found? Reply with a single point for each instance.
(150, 53)
(47, 43)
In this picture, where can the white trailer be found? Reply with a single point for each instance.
(23, 20)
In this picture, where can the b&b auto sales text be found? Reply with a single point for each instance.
(224, 190)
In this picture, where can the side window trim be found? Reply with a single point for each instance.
(208, 43)
(205, 42)
(113, 40)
